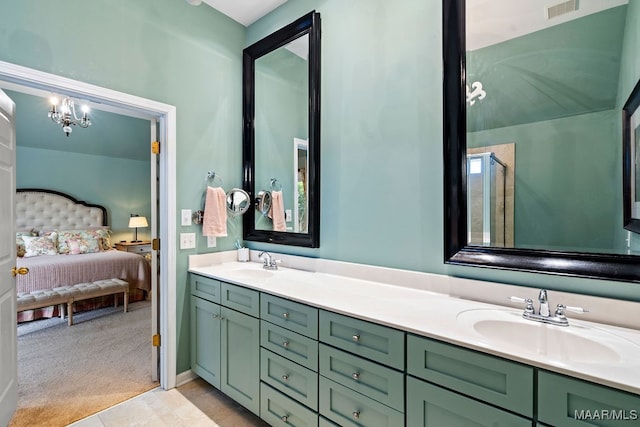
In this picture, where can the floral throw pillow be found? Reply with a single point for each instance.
(100, 234)
(40, 245)
(20, 249)
(83, 246)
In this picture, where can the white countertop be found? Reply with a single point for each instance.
(430, 314)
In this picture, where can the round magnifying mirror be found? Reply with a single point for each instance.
(237, 201)
(263, 202)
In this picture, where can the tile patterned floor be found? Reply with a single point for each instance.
(193, 404)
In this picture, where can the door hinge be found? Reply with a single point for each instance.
(155, 147)
(155, 244)
(155, 340)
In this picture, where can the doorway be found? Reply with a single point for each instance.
(22, 79)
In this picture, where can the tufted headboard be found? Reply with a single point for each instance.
(47, 210)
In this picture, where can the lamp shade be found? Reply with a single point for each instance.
(138, 221)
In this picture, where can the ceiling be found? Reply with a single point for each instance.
(246, 12)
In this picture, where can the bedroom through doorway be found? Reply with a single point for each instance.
(156, 130)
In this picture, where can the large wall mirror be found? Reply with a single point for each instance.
(533, 96)
(281, 135)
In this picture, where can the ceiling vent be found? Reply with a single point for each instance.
(562, 8)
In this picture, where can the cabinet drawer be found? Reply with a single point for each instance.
(244, 300)
(348, 408)
(375, 381)
(139, 249)
(290, 378)
(280, 410)
(488, 378)
(289, 344)
(380, 343)
(571, 402)
(292, 315)
(430, 405)
(206, 288)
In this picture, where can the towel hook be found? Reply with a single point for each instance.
(275, 185)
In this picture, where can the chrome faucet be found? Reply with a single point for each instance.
(269, 262)
(544, 314)
(544, 303)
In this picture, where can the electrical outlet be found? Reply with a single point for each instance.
(211, 242)
(186, 217)
(187, 240)
(287, 215)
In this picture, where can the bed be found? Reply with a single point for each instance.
(63, 242)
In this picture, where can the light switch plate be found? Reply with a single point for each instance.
(211, 242)
(287, 215)
(187, 240)
(186, 217)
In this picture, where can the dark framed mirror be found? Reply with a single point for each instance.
(472, 113)
(281, 134)
(631, 160)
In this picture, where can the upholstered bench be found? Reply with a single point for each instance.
(67, 295)
(38, 299)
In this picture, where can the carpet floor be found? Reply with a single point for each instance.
(68, 373)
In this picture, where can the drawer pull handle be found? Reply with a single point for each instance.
(285, 377)
(356, 376)
(285, 315)
(285, 418)
(356, 337)
(356, 415)
(285, 344)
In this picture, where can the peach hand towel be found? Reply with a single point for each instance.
(214, 222)
(277, 211)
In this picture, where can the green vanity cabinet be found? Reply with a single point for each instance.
(491, 379)
(361, 367)
(431, 406)
(225, 342)
(288, 362)
(565, 401)
(205, 340)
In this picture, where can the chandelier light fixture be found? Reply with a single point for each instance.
(64, 114)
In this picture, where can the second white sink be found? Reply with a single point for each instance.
(576, 343)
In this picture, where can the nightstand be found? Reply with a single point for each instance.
(141, 248)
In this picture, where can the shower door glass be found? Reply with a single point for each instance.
(486, 177)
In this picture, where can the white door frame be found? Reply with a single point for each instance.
(143, 108)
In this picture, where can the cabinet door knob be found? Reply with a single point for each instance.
(216, 316)
(356, 337)
(356, 415)
(355, 376)
(285, 377)
(285, 418)
(285, 315)
(285, 344)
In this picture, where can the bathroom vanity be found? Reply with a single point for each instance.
(309, 348)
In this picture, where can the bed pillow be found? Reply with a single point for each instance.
(102, 235)
(83, 246)
(40, 245)
(20, 250)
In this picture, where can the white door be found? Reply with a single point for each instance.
(8, 338)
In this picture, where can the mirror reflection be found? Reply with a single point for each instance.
(543, 125)
(281, 119)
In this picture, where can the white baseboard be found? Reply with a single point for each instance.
(184, 377)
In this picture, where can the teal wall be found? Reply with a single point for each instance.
(120, 185)
(557, 162)
(381, 115)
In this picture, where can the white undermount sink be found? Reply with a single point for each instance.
(576, 343)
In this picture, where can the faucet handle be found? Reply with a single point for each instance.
(528, 302)
(561, 308)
